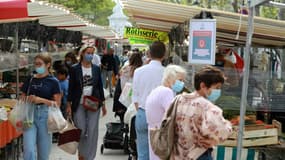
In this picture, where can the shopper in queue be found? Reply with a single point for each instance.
(200, 124)
(145, 79)
(161, 97)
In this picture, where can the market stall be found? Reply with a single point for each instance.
(263, 99)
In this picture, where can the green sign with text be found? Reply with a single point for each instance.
(144, 36)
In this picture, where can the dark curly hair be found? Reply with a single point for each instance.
(209, 75)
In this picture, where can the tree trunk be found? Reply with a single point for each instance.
(235, 6)
(257, 11)
(281, 16)
(209, 4)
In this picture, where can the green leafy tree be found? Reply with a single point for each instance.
(96, 11)
(233, 6)
(269, 12)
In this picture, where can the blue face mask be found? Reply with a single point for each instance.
(178, 86)
(41, 70)
(215, 94)
(88, 57)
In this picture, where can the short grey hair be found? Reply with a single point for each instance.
(171, 72)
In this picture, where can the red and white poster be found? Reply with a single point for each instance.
(202, 44)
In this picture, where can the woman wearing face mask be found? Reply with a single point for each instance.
(43, 90)
(161, 97)
(200, 124)
(85, 80)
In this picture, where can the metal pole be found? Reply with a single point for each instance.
(17, 58)
(245, 81)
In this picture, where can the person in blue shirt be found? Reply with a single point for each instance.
(62, 76)
(43, 91)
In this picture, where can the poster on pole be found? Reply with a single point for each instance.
(202, 43)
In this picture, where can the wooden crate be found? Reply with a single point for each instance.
(256, 135)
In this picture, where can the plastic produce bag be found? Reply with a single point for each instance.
(3, 114)
(56, 121)
(126, 95)
(130, 113)
(22, 115)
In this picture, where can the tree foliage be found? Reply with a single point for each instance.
(269, 12)
(96, 11)
(230, 5)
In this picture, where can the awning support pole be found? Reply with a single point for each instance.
(246, 58)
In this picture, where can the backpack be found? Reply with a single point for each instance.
(162, 138)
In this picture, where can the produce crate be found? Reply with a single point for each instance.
(256, 135)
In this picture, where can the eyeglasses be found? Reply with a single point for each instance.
(38, 63)
(181, 80)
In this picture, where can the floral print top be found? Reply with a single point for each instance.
(199, 125)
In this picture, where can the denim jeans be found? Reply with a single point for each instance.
(107, 75)
(207, 155)
(36, 138)
(142, 135)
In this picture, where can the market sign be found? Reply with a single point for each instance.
(12, 9)
(202, 43)
(144, 36)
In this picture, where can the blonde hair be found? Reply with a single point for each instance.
(46, 58)
(171, 72)
(83, 49)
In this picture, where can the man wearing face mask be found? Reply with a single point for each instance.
(161, 97)
(200, 124)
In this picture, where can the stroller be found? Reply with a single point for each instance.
(116, 137)
(121, 135)
(117, 134)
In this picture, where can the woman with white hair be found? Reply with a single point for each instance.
(161, 97)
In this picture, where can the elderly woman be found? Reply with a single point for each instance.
(161, 97)
(200, 124)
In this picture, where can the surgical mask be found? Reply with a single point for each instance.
(88, 57)
(215, 94)
(41, 70)
(178, 86)
(68, 63)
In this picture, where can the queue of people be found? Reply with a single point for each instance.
(199, 123)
